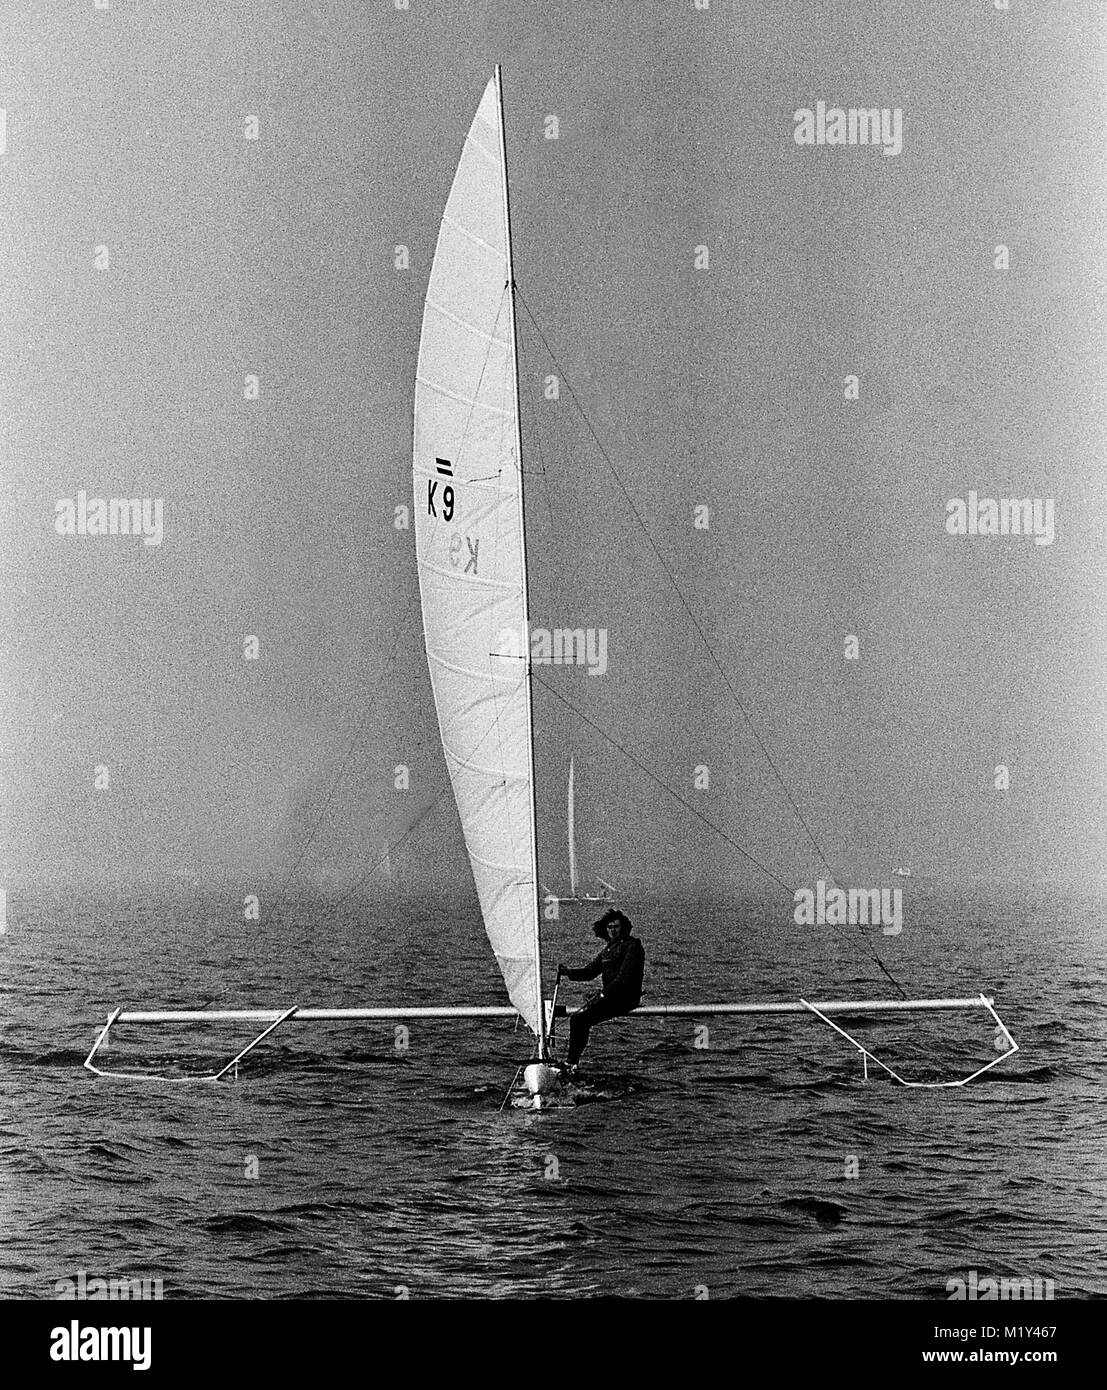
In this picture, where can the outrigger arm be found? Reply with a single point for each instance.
(275, 1018)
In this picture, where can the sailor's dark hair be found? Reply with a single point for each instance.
(614, 918)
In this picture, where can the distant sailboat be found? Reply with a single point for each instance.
(471, 556)
(572, 829)
(575, 897)
(901, 873)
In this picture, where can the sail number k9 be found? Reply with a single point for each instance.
(446, 468)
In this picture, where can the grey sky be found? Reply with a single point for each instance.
(721, 387)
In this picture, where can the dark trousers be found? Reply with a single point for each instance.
(581, 1024)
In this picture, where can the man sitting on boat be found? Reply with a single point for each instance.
(620, 964)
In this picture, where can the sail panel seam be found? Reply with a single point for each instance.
(478, 583)
(466, 671)
(476, 144)
(486, 484)
(463, 323)
(472, 236)
(457, 396)
(502, 868)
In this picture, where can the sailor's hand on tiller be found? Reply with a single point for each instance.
(560, 971)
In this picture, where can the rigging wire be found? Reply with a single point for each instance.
(494, 726)
(875, 959)
(643, 767)
(695, 623)
(412, 591)
(446, 787)
(443, 791)
(345, 761)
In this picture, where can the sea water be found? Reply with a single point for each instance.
(725, 1156)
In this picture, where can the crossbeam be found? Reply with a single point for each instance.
(313, 1015)
(274, 1018)
(833, 1006)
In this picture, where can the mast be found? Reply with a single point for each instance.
(543, 1046)
(572, 834)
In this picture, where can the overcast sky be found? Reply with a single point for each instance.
(721, 387)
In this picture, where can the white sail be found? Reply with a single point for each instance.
(572, 833)
(470, 550)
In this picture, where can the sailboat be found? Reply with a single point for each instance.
(574, 897)
(471, 556)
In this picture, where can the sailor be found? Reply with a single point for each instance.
(620, 966)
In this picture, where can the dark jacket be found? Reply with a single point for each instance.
(621, 964)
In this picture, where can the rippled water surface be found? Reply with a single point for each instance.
(721, 1166)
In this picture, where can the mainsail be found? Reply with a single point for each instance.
(471, 550)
